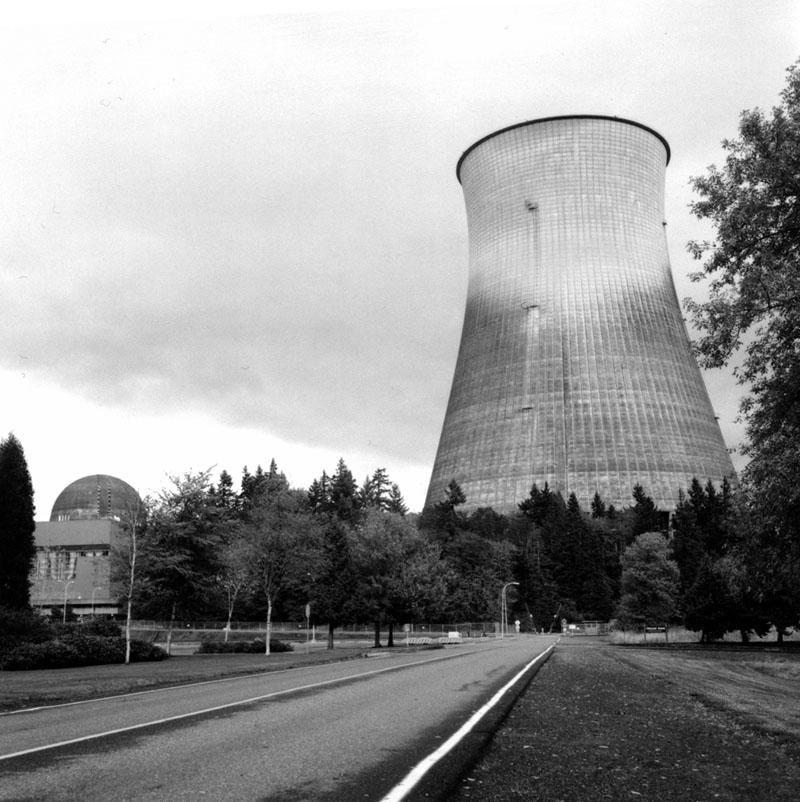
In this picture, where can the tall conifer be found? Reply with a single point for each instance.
(17, 546)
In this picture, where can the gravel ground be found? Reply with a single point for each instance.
(595, 725)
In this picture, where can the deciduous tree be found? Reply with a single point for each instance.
(649, 581)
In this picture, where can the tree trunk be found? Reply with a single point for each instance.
(228, 625)
(779, 630)
(169, 630)
(390, 641)
(269, 624)
(330, 635)
(377, 643)
(131, 583)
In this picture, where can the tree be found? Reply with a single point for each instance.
(645, 515)
(345, 501)
(179, 563)
(282, 545)
(442, 516)
(649, 581)
(598, 506)
(17, 546)
(334, 580)
(223, 495)
(754, 294)
(235, 572)
(710, 605)
(397, 570)
(753, 304)
(125, 573)
(396, 502)
(700, 528)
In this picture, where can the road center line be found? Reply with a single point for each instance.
(401, 790)
(227, 706)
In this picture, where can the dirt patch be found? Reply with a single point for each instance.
(603, 722)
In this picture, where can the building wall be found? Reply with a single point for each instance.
(574, 366)
(73, 560)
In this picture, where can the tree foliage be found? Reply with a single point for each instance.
(17, 547)
(649, 581)
(753, 202)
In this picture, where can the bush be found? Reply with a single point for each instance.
(90, 626)
(106, 627)
(243, 647)
(77, 650)
(50, 654)
(143, 652)
(96, 650)
(22, 626)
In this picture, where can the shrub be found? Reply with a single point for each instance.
(106, 627)
(22, 626)
(243, 647)
(77, 650)
(50, 654)
(96, 650)
(143, 652)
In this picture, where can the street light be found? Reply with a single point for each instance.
(94, 590)
(504, 607)
(67, 583)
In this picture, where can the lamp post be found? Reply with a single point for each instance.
(67, 583)
(94, 590)
(504, 607)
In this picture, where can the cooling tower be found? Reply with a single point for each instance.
(574, 366)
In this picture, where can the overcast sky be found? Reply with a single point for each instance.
(231, 239)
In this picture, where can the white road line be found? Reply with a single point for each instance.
(401, 790)
(226, 706)
(57, 705)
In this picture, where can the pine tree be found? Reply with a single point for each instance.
(17, 546)
(396, 502)
(344, 496)
(598, 506)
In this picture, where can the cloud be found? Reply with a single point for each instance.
(257, 221)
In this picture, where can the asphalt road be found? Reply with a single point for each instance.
(343, 731)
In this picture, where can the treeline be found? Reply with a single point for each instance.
(205, 550)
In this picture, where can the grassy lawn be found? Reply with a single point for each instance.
(19, 689)
(758, 689)
(604, 722)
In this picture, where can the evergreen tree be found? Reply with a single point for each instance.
(344, 497)
(598, 506)
(319, 494)
(17, 546)
(443, 517)
(396, 502)
(645, 516)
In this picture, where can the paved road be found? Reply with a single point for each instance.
(344, 731)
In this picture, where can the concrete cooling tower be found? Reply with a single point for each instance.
(574, 366)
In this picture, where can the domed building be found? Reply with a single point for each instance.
(73, 548)
(91, 498)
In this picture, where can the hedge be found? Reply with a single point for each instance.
(242, 647)
(77, 649)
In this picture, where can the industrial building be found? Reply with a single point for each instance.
(574, 366)
(73, 549)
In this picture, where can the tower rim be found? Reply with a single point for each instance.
(560, 117)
